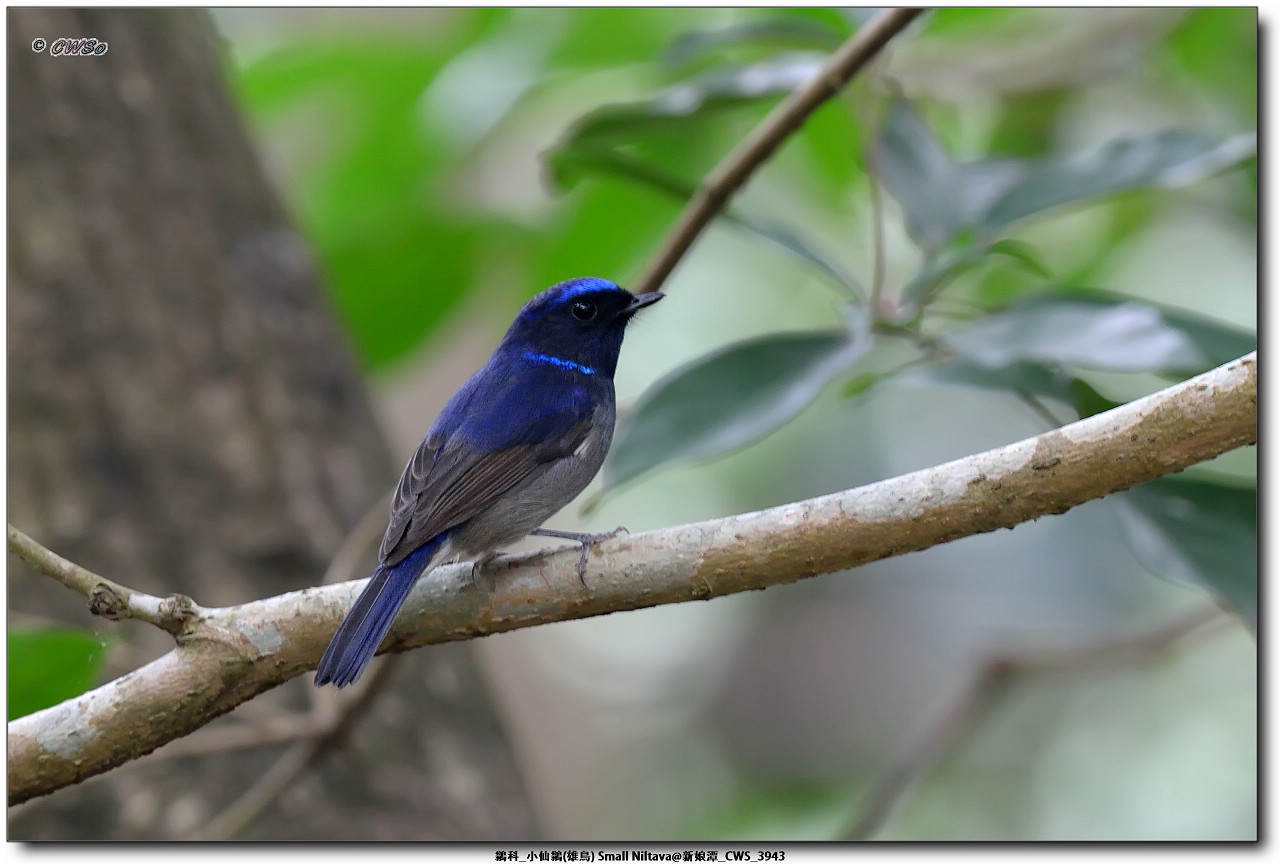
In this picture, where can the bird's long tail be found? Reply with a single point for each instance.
(362, 631)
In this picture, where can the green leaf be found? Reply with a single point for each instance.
(1088, 401)
(1099, 331)
(830, 146)
(614, 37)
(1199, 532)
(1035, 379)
(774, 33)
(729, 399)
(861, 383)
(940, 198)
(50, 665)
(1218, 48)
(950, 263)
(689, 101)
(964, 25)
(1166, 159)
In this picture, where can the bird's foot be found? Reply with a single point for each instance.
(479, 564)
(586, 540)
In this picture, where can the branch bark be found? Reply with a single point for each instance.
(234, 653)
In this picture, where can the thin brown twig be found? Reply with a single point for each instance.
(215, 740)
(993, 679)
(106, 598)
(734, 170)
(294, 762)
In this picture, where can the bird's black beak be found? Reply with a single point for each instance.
(642, 301)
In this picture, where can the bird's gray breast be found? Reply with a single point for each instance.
(535, 501)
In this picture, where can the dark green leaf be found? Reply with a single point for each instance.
(729, 399)
(942, 199)
(939, 197)
(1087, 400)
(1034, 379)
(1099, 331)
(950, 263)
(1199, 532)
(1219, 343)
(48, 666)
(1167, 159)
(1022, 253)
(688, 101)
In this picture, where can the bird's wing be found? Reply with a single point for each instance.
(452, 477)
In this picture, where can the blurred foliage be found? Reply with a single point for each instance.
(1203, 532)
(730, 398)
(762, 812)
(49, 664)
(393, 129)
(1002, 218)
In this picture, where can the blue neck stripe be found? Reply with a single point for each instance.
(558, 361)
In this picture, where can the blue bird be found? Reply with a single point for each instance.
(518, 441)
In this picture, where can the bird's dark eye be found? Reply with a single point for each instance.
(583, 310)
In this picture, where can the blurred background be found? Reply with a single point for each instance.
(441, 166)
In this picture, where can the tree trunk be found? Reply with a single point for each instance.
(186, 416)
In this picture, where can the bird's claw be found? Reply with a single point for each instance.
(589, 540)
(586, 541)
(478, 564)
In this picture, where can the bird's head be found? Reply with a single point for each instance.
(579, 323)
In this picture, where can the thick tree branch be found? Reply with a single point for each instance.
(734, 170)
(229, 655)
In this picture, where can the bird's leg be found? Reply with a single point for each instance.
(587, 541)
